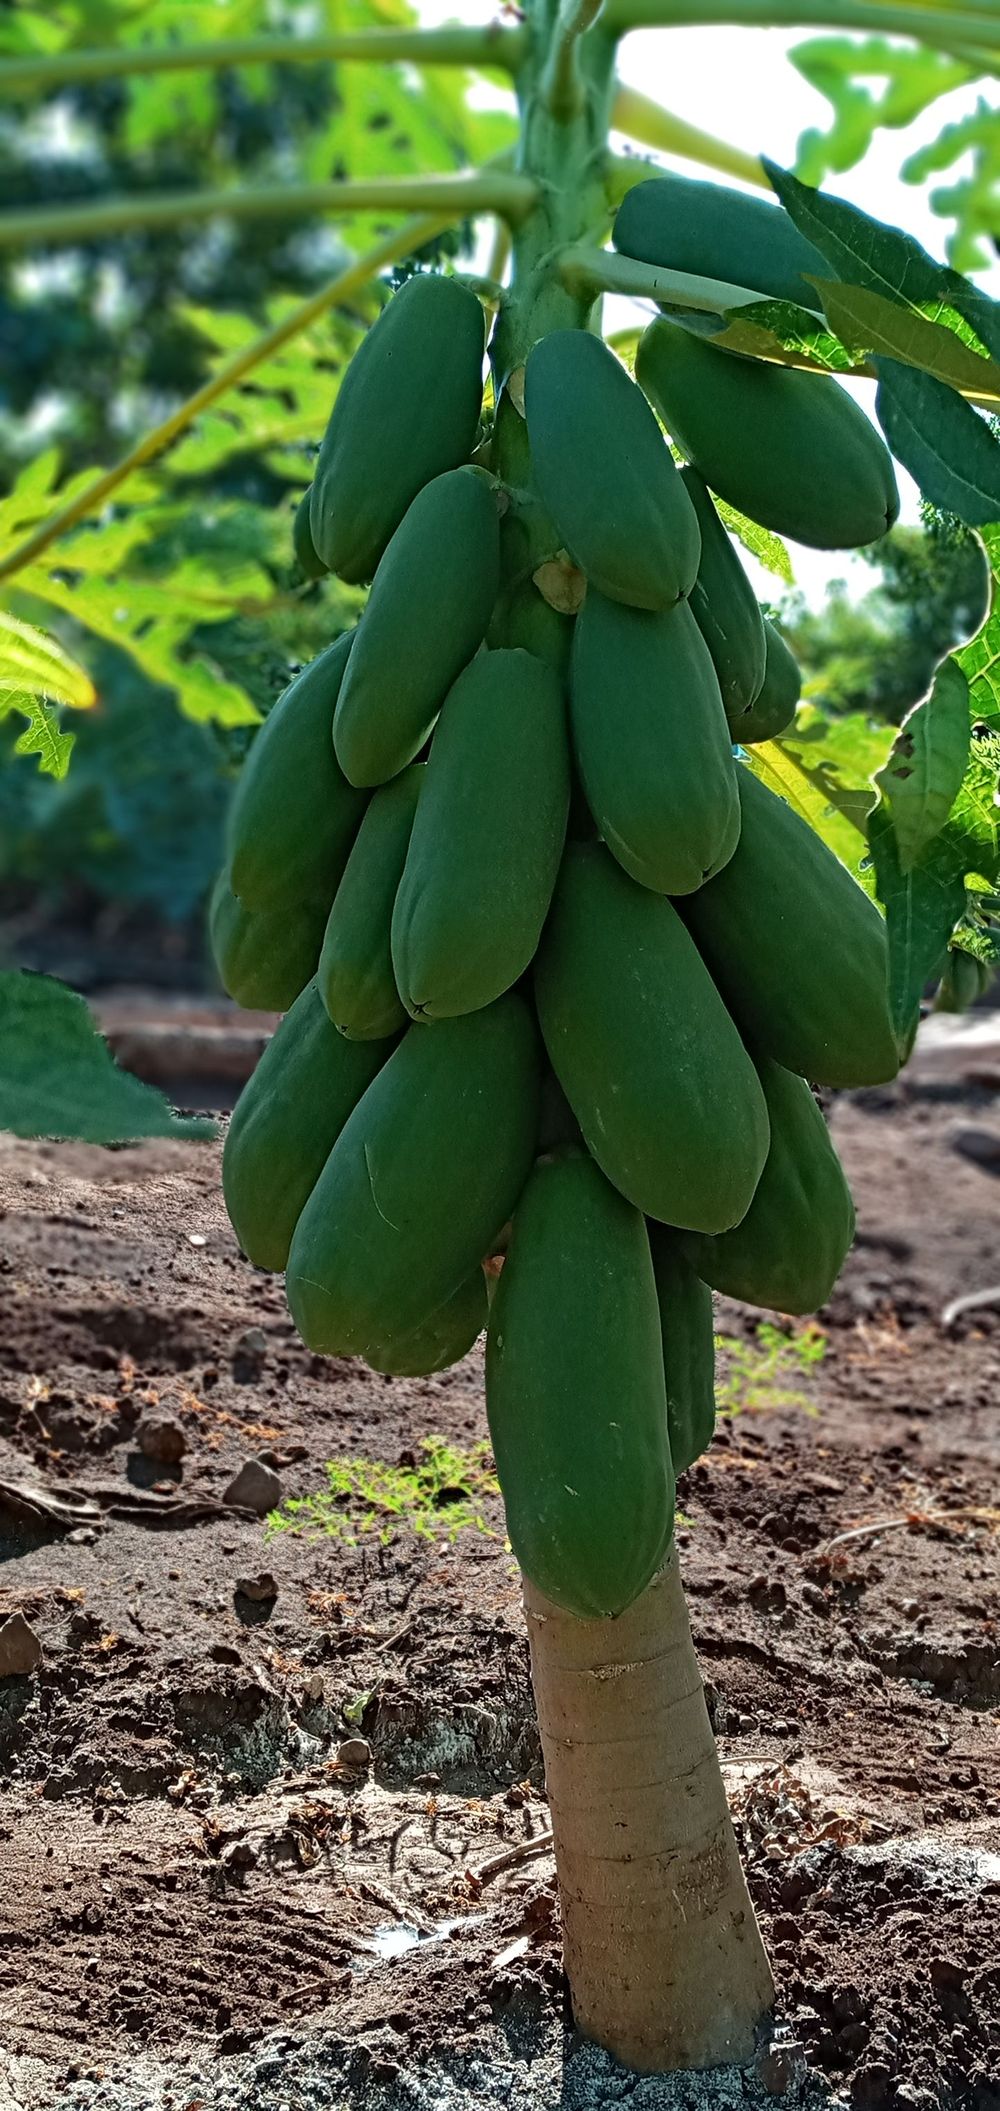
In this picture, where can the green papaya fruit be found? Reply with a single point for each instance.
(264, 957)
(797, 949)
(791, 1246)
(774, 708)
(303, 547)
(687, 1326)
(285, 1123)
(355, 976)
(726, 609)
(487, 838)
(668, 1100)
(605, 474)
(685, 224)
(427, 614)
(652, 745)
(444, 1338)
(407, 409)
(793, 450)
(293, 816)
(419, 1183)
(575, 1392)
(963, 981)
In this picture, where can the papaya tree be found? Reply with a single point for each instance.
(563, 917)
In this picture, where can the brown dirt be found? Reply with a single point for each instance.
(191, 1883)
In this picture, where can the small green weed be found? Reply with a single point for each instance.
(752, 1376)
(440, 1495)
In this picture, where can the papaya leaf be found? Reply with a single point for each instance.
(36, 677)
(922, 908)
(59, 1078)
(814, 788)
(979, 660)
(868, 253)
(773, 329)
(924, 773)
(947, 447)
(767, 547)
(869, 323)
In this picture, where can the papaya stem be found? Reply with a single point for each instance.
(928, 24)
(458, 196)
(335, 294)
(663, 1952)
(647, 121)
(503, 49)
(583, 269)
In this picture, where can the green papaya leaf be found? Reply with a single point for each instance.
(947, 447)
(59, 1078)
(767, 547)
(922, 908)
(865, 252)
(923, 776)
(979, 660)
(869, 323)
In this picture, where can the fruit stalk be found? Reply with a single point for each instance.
(663, 1954)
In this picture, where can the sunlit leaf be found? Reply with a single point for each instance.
(924, 773)
(869, 323)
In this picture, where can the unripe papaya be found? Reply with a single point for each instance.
(726, 609)
(487, 838)
(685, 224)
(687, 1325)
(419, 1184)
(406, 410)
(797, 949)
(652, 745)
(792, 450)
(964, 979)
(302, 543)
(605, 474)
(355, 977)
(790, 1247)
(285, 1123)
(668, 1100)
(773, 710)
(264, 957)
(427, 614)
(444, 1338)
(575, 1392)
(293, 816)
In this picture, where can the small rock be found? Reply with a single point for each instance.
(259, 1588)
(81, 1536)
(354, 1752)
(256, 1487)
(313, 1688)
(249, 1356)
(239, 1855)
(161, 1438)
(781, 2069)
(20, 1648)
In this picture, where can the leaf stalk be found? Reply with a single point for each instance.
(458, 197)
(491, 48)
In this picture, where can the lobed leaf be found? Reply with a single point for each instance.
(924, 773)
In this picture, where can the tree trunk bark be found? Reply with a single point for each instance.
(664, 1958)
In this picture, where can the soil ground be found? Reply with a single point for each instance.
(208, 1903)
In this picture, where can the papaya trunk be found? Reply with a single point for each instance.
(664, 1958)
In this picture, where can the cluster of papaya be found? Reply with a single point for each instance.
(556, 965)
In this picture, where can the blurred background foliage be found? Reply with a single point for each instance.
(193, 598)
